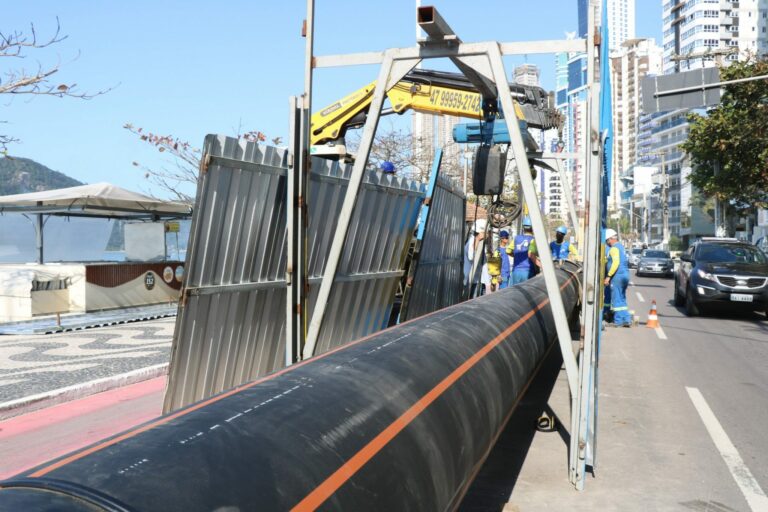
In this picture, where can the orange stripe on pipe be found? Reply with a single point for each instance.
(331, 484)
(165, 419)
(200, 405)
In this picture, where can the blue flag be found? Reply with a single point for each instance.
(606, 109)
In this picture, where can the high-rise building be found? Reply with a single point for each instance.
(571, 96)
(630, 64)
(621, 23)
(551, 200)
(700, 33)
(526, 74)
(696, 34)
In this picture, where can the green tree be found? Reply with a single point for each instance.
(729, 146)
(621, 225)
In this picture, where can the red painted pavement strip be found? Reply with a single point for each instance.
(32, 439)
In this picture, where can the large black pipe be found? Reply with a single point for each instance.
(401, 420)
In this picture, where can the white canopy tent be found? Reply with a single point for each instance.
(102, 200)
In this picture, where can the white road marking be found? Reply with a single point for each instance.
(756, 498)
(639, 297)
(660, 333)
(631, 283)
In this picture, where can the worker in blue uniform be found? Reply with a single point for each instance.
(506, 267)
(617, 277)
(561, 248)
(607, 313)
(522, 267)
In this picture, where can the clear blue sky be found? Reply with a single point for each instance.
(189, 68)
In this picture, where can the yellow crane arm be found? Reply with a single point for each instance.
(331, 123)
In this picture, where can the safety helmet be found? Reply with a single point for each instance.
(527, 222)
(609, 233)
(503, 233)
(562, 230)
(479, 226)
(387, 166)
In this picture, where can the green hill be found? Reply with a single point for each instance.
(22, 175)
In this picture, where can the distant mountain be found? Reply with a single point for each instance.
(22, 175)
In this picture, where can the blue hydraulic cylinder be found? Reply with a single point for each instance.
(490, 133)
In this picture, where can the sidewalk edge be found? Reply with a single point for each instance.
(57, 396)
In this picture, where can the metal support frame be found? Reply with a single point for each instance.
(39, 226)
(390, 73)
(565, 184)
(397, 63)
(517, 147)
(583, 419)
(486, 61)
(296, 226)
(296, 269)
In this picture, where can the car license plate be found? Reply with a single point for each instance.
(741, 297)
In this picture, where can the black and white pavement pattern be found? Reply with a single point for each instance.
(30, 365)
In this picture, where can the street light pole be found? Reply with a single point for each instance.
(633, 216)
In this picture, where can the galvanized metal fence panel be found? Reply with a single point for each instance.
(231, 323)
(438, 280)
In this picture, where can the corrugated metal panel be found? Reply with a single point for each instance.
(438, 280)
(372, 261)
(231, 318)
(231, 323)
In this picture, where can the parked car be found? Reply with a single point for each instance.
(762, 243)
(724, 272)
(634, 257)
(653, 262)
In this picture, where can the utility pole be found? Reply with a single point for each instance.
(467, 154)
(664, 201)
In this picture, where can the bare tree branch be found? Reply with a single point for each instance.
(36, 83)
(180, 181)
(13, 44)
(411, 156)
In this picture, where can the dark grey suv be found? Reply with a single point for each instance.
(723, 272)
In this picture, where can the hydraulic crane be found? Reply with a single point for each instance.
(431, 92)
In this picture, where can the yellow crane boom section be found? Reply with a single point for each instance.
(330, 123)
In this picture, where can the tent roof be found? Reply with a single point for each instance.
(97, 200)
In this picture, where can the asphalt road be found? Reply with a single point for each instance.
(682, 418)
(723, 355)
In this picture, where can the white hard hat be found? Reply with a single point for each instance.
(479, 226)
(609, 233)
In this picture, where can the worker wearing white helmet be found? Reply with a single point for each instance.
(617, 278)
(473, 248)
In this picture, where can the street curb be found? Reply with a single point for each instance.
(58, 396)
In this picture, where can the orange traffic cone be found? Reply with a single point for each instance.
(653, 319)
